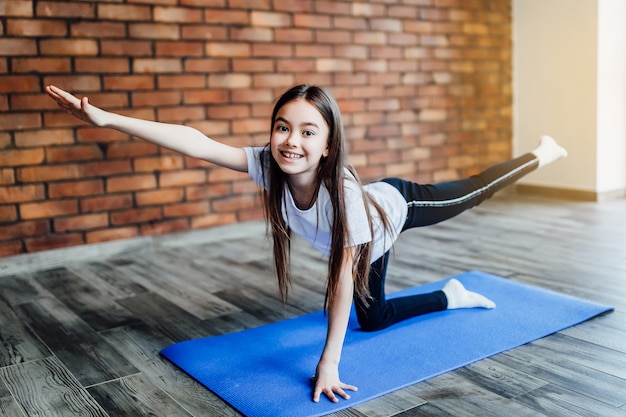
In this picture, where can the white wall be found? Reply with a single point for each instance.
(569, 75)
(611, 149)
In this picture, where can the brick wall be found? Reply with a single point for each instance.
(424, 87)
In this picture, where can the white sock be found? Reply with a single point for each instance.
(549, 151)
(459, 297)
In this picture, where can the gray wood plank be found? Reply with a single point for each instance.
(46, 388)
(17, 342)
(461, 398)
(89, 357)
(556, 401)
(500, 379)
(89, 303)
(166, 317)
(202, 304)
(561, 371)
(8, 405)
(141, 345)
(136, 396)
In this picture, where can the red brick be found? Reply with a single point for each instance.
(18, 83)
(234, 203)
(106, 203)
(316, 21)
(43, 209)
(130, 149)
(126, 12)
(154, 31)
(333, 7)
(44, 65)
(354, 23)
(75, 188)
(75, 83)
(228, 111)
(269, 19)
(227, 16)
(187, 177)
(19, 121)
(210, 220)
(179, 49)
(22, 193)
(100, 30)
(121, 47)
(249, 4)
(160, 163)
(205, 65)
(159, 228)
(32, 102)
(100, 135)
(11, 248)
(159, 65)
(95, 65)
(44, 137)
(81, 222)
(105, 168)
(20, 157)
(111, 234)
(70, 47)
(294, 35)
(24, 229)
(227, 49)
(53, 242)
(156, 197)
(181, 81)
(129, 82)
(177, 14)
(186, 209)
(73, 153)
(130, 183)
(205, 191)
(65, 9)
(22, 8)
(119, 218)
(156, 98)
(36, 27)
(7, 176)
(180, 114)
(217, 175)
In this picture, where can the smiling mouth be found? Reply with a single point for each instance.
(290, 155)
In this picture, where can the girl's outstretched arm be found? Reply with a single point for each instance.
(327, 380)
(179, 138)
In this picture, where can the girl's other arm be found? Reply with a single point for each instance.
(179, 138)
(327, 374)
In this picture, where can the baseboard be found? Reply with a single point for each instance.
(568, 194)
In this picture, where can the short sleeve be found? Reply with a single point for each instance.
(258, 164)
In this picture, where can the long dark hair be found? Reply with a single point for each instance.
(332, 174)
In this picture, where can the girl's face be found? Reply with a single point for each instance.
(299, 140)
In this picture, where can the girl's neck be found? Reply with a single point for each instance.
(304, 195)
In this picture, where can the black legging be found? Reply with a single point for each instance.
(430, 204)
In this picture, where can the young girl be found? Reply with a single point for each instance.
(309, 188)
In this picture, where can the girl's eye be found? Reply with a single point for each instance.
(308, 133)
(281, 128)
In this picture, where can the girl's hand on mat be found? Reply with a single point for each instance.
(327, 382)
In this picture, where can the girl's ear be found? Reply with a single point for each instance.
(325, 154)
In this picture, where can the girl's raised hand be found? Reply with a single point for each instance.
(79, 108)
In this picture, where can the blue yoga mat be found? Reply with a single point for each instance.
(266, 371)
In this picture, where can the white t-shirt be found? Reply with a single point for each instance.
(315, 223)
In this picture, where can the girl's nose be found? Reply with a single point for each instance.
(291, 141)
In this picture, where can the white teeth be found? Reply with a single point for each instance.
(291, 155)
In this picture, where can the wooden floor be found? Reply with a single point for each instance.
(81, 336)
